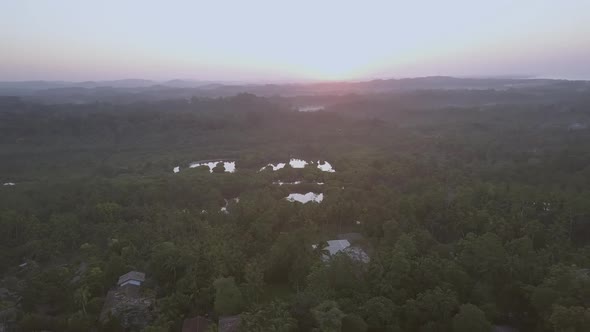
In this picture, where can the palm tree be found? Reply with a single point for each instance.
(81, 297)
(321, 249)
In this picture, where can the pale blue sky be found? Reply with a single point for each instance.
(299, 39)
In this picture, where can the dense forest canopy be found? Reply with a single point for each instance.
(473, 207)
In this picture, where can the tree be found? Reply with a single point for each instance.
(470, 319)
(51, 288)
(173, 306)
(542, 298)
(570, 319)
(272, 317)
(93, 279)
(301, 306)
(353, 323)
(390, 274)
(114, 268)
(80, 322)
(434, 307)
(254, 275)
(108, 212)
(156, 328)
(228, 298)
(37, 322)
(328, 316)
(65, 231)
(343, 277)
(219, 168)
(380, 313)
(81, 297)
(291, 258)
(484, 255)
(167, 262)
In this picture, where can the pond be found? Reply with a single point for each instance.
(274, 167)
(297, 163)
(305, 198)
(228, 166)
(224, 208)
(310, 108)
(300, 163)
(280, 183)
(326, 167)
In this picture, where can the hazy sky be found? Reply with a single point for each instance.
(296, 39)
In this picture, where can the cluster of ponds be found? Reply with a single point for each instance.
(230, 167)
(299, 163)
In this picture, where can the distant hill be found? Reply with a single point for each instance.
(126, 83)
(130, 90)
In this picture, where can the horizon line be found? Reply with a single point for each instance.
(301, 81)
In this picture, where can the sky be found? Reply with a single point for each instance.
(255, 40)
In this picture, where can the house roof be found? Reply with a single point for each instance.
(229, 323)
(335, 246)
(133, 275)
(196, 324)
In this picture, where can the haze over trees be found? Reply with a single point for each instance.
(473, 206)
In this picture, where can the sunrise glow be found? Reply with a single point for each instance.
(273, 40)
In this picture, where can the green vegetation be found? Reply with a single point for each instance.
(472, 216)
